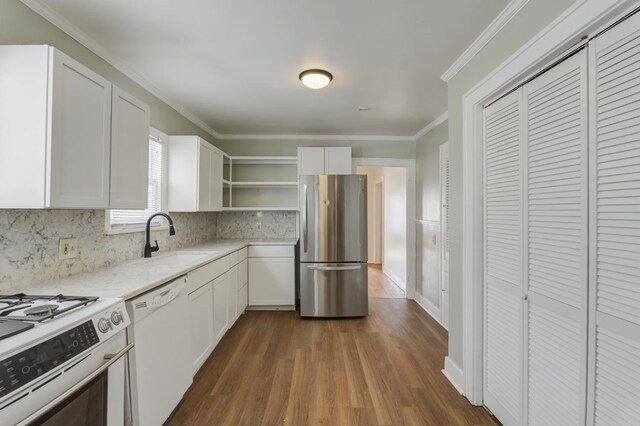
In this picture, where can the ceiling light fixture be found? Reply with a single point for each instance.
(315, 79)
(364, 108)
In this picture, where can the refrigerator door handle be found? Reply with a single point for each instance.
(334, 268)
(305, 226)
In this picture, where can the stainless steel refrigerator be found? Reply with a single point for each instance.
(333, 246)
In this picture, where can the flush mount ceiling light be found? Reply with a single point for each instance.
(315, 79)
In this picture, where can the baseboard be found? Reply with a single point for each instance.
(454, 373)
(396, 279)
(270, 308)
(428, 307)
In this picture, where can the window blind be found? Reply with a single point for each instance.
(137, 218)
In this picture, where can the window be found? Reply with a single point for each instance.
(135, 220)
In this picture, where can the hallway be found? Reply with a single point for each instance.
(381, 286)
(276, 368)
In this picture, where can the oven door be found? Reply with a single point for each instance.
(94, 391)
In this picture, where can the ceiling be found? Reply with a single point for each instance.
(234, 64)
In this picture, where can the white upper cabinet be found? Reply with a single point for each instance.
(55, 125)
(324, 161)
(337, 160)
(195, 175)
(310, 161)
(216, 179)
(129, 152)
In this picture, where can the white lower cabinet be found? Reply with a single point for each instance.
(202, 335)
(271, 276)
(243, 298)
(220, 306)
(218, 293)
(243, 287)
(232, 306)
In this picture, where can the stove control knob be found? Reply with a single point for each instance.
(104, 325)
(116, 317)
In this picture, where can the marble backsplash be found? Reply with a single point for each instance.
(29, 243)
(29, 240)
(244, 225)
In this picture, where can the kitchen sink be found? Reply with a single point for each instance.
(174, 259)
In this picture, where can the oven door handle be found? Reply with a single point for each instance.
(111, 359)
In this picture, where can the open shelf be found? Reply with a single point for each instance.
(261, 209)
(264, 160)
(264, 184)
(255, 183)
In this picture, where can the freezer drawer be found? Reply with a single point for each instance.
(334, 289)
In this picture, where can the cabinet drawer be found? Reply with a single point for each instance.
(242, 254)
(271, 251)
(243, 273)
(210, 271)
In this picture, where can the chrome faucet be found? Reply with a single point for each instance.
(148, 249)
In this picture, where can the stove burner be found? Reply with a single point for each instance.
(41, 310)
(35, 308)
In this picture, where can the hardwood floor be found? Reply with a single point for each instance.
(275, 368)
(381, 285)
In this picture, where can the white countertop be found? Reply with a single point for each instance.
(129, 279)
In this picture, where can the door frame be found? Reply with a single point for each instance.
(409, 164)
(378, 189)
(561, 35)
(444, 225)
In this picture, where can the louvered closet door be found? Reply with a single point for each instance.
(614, 394)
(556, 240)
(504, 288)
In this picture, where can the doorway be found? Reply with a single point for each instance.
(387, 236)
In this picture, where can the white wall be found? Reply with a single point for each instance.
(395, 224)
(374, 175)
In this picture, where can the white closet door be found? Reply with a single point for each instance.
(614, 394)
(557, 251)
(504, 314)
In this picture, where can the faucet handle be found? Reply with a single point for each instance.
(157, 247)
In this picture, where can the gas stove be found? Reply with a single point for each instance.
(19, 312)
(51, 346)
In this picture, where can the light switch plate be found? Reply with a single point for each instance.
(68, 248)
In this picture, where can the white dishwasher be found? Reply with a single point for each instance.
(161, 369)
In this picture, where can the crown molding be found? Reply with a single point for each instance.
(81, 37)
(319, 137)
(503, 18)
(426, 129)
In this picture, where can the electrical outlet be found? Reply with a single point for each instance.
(258, 226)
(68, 248)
